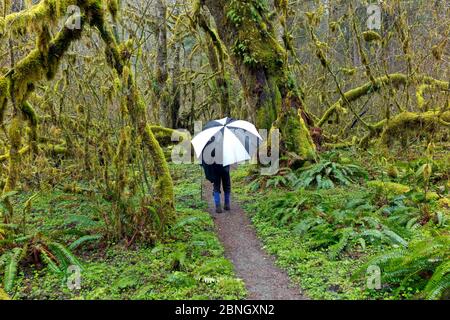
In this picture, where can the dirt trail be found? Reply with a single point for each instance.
(264, 281)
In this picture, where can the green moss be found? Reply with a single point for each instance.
(389, 187)
(15, 139)
(371, 35)
(3, 295)
(349, 71)
(30, 113)
(55, 149)
(165, 193)
(419, 96)
(392, 80)
(113, 8)
(38, 16)
(401, 125)
(164, 135)
(439, 49)
(296, 136)
(256, 45)
(268, 112)
(4, 92)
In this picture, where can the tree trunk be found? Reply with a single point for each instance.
(161, 65)
(176, 95)
(259, 59)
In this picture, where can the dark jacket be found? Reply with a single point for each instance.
(214, 171)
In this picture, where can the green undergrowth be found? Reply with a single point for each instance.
(328, 237)
(188, 264)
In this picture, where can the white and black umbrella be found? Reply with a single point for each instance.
(228, 140)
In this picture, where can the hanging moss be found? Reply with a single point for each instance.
(371, 35)
(30, 114)
(137, 109)
(4, 92)
(419, 96)
(113, 8)
(38, 64)
(439, 49)
(15, 138)
(38, 16)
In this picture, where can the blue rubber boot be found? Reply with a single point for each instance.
(217, 202)
(227, 205)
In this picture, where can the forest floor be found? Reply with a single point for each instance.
(277, 238)
(188, 264)
(262, 278)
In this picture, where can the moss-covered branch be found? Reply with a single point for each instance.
(165, 135)
(43, 62)
(392, 80)
(137, 109)
(401, 125)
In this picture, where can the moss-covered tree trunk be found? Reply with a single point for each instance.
(216, 58)
(43, 62)
(259, 59)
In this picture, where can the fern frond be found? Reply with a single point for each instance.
(84, 239)
(11, 268)
(49, 261)
(439, 282)
(64, 256)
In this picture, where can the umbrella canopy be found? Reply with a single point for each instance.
(226, 141)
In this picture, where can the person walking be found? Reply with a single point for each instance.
(233, 141)
(219, 176)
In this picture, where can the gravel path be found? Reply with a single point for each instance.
(264, 281)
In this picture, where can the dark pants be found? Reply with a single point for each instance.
(223, 177)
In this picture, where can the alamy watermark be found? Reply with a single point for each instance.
(374, 17)
(373, 277)
(73, 274)
(73, 18)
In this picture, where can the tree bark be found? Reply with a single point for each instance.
(161, 65)
(259, 60)
(176, 95)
